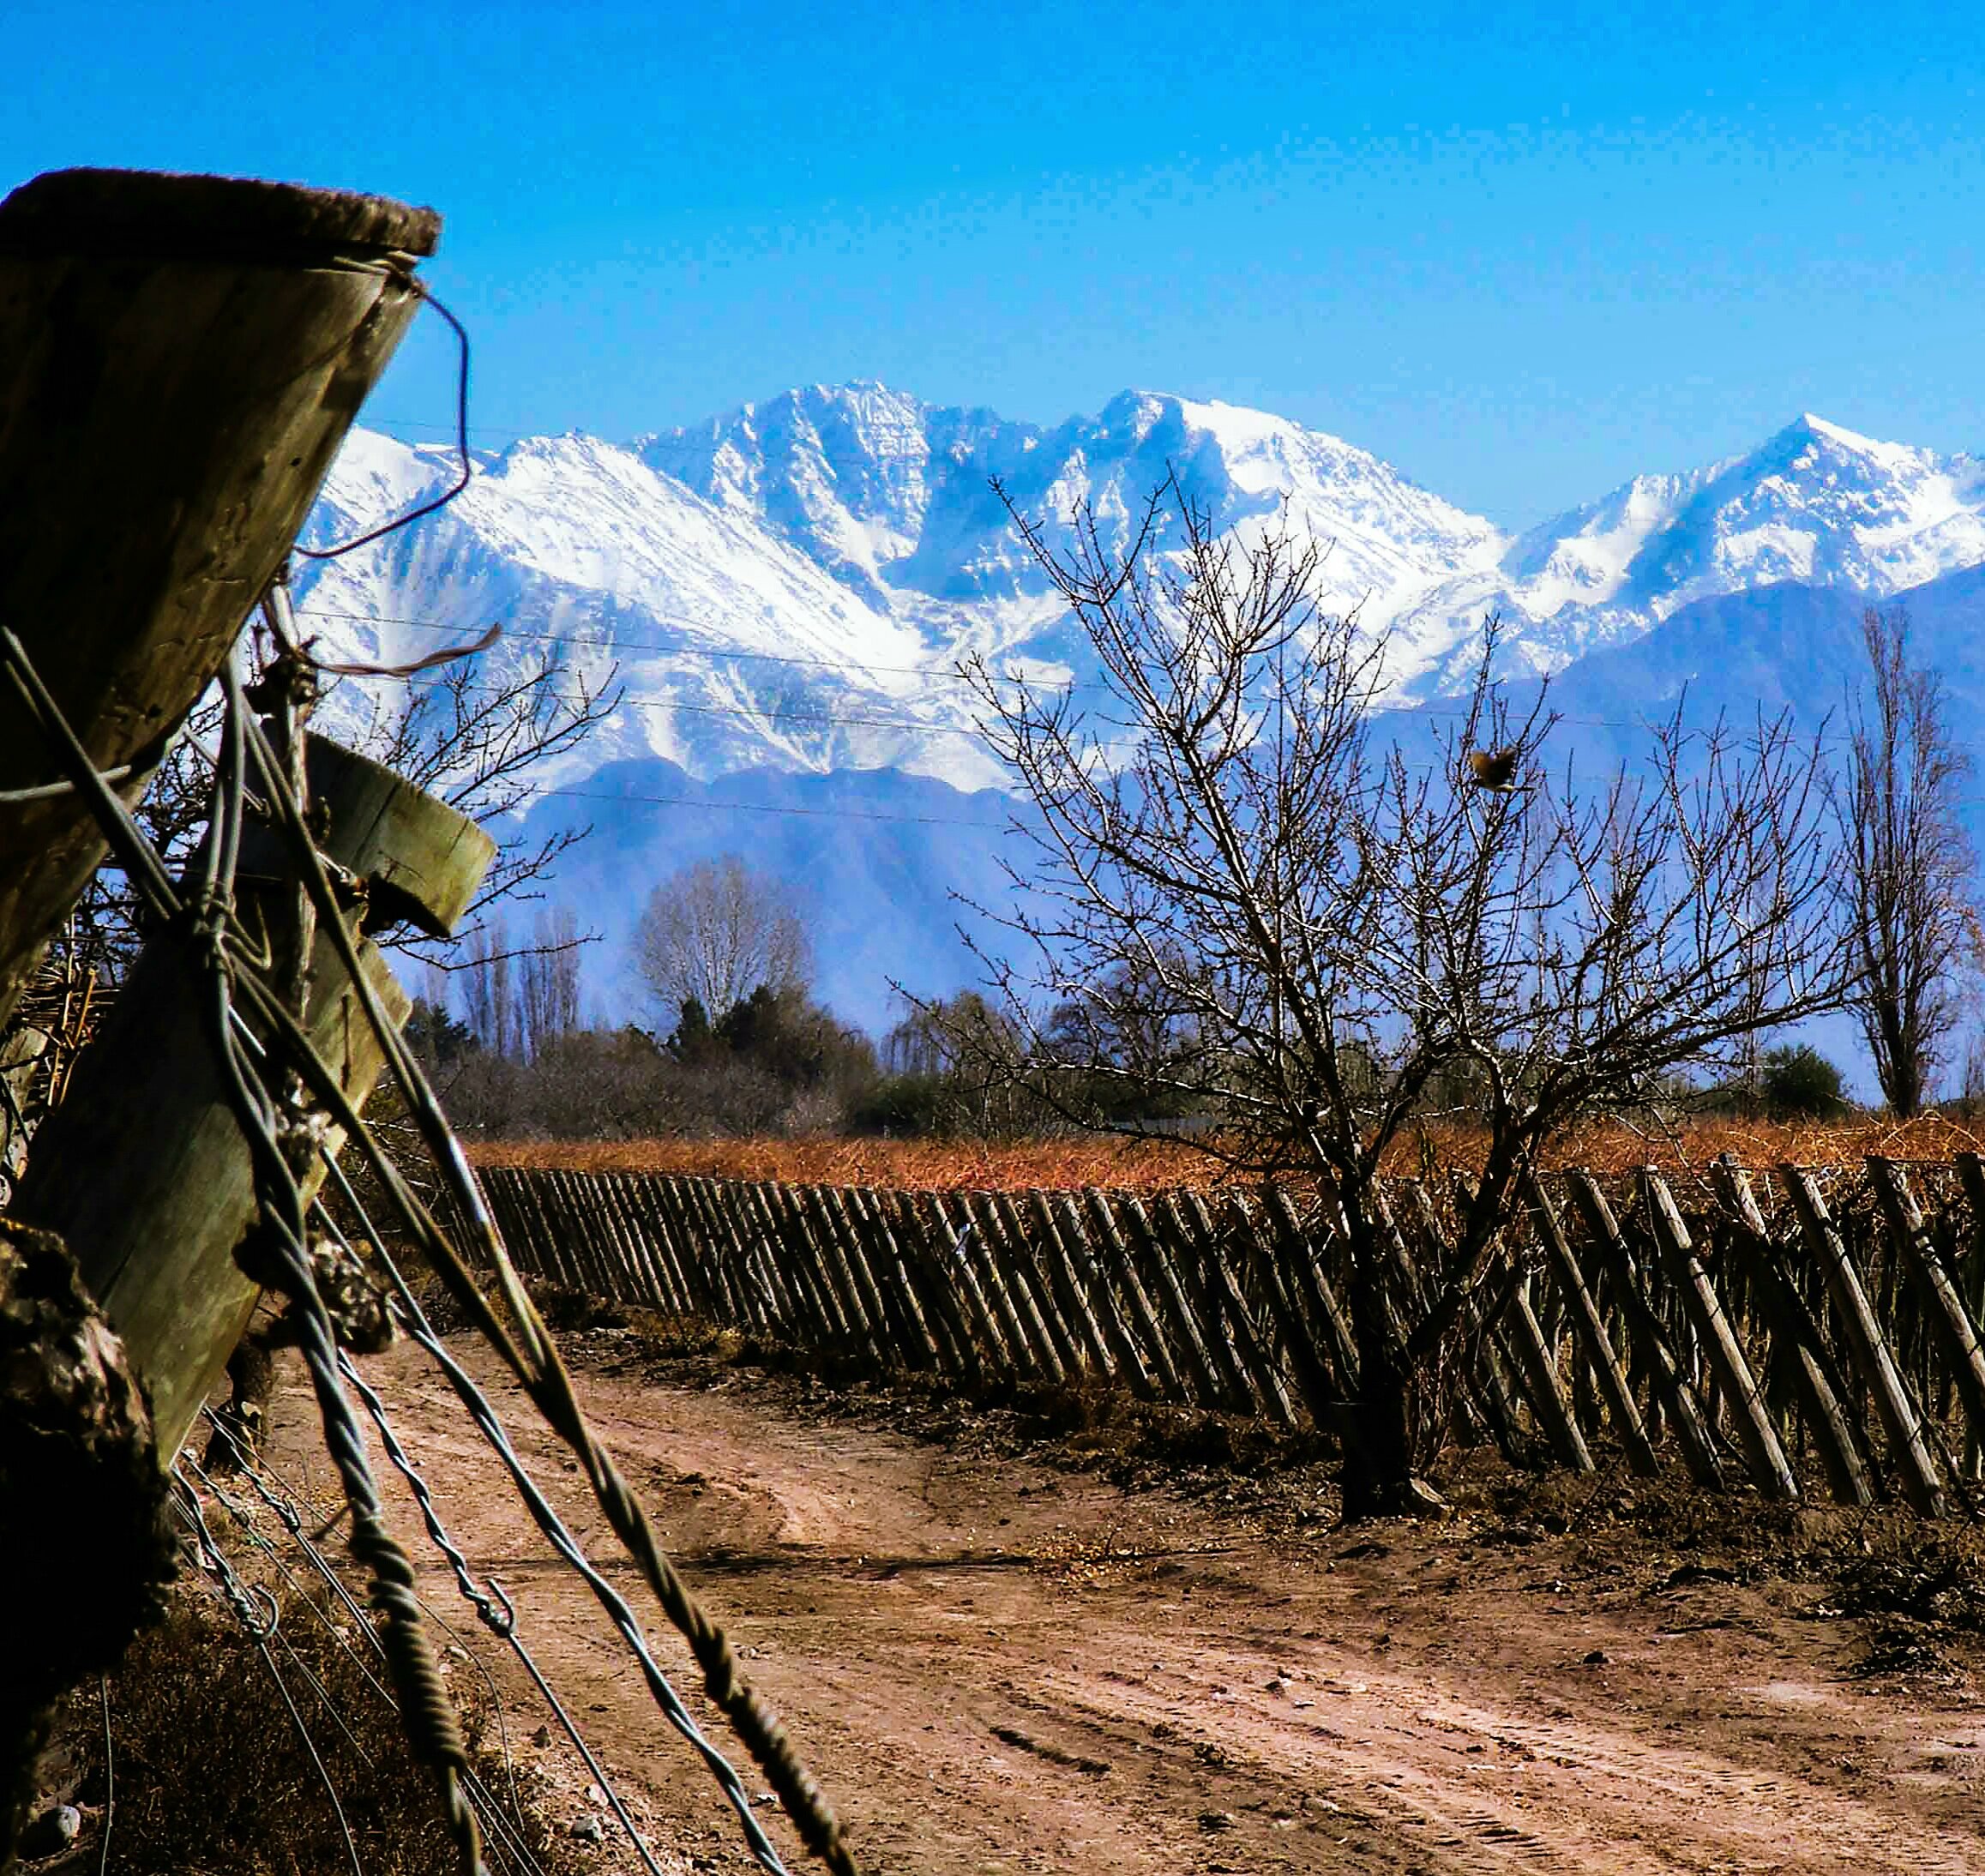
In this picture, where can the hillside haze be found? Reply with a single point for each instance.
(786, 591)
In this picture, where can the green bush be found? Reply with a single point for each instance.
(1799, 1084)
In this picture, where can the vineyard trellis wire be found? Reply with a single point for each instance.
(257, 1040)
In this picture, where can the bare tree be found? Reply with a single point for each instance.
(482, 744)
(715, 932)
(1908, 885)
(1352, 931)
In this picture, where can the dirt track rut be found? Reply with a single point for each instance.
(997, 1668)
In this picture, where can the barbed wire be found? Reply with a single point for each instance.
(287, 1506)
(492, 1607)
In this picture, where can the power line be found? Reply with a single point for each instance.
(718, 710)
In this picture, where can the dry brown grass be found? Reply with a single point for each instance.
(1153, 1165)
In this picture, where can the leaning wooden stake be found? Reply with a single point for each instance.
(1902, 1420)
(1770, 1469)
(1949, 1320)
(1799, 1338)
(1225, 1303)
(1589, 1327)
(1658, 1355)
(144, 1171)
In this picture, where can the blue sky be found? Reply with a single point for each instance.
(1522, 252)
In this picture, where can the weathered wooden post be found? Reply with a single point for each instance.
(1807, 1359)
(1771, 1471)
(143, 1169)
(1590, 1327)
(143, 1173)
(180, 357)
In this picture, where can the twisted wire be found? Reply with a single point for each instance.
(491, 1606)
(407, 278)
(283, 1504)
(536, 1363)
(434, 1734)
(560, 1536)
(531, 1353)
(240, 1598)
(110, 1778)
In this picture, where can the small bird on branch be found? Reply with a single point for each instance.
(1494, 771)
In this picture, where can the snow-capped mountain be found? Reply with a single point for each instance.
(791, 584)
(785, 591)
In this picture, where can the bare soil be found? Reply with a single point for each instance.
(1002, 1652)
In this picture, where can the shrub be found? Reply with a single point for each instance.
(1800, 1084)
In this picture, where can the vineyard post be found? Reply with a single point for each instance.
(144, 1171)
(1174, 1305)
(1589, 1327)
(1092, 1281)
(1902, 1419)
(993, 1213)
(1794, 1331)
(1667, 1380)
(1949, 1320)
(1145, 1318)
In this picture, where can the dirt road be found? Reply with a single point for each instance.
(996, 1667)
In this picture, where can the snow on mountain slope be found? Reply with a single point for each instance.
(785, 592)
(791, 583)
(734, 649)
(1814, 504)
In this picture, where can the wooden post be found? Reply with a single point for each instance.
(1093, 1279)
(969, 1241)
(1071, 1306)
(1258, 1358)
(996, 1217)
(1181, 1238)
(180, 357)
(886, 1336)
(1488, 1384)
(872, 1241)
(1589, 1327)
(1658, 1355)
(1902, 1420)
(1770, 1468)
(935, 1281)
(1317, 1385)
(1174, 1308)
(1798, 1335)
(1949, 1320)
(802, 1267)
(644, 1197)
(835, 1278)
(1314, 1289)
(954, 1250)
(1150, 1338)
(143, 1169)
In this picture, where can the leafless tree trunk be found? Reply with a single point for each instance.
(1353, 934)
(715, 932)
(1909, 881)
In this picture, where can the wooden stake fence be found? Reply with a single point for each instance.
(1756, 1326)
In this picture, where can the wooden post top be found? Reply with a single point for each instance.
(227, 217)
